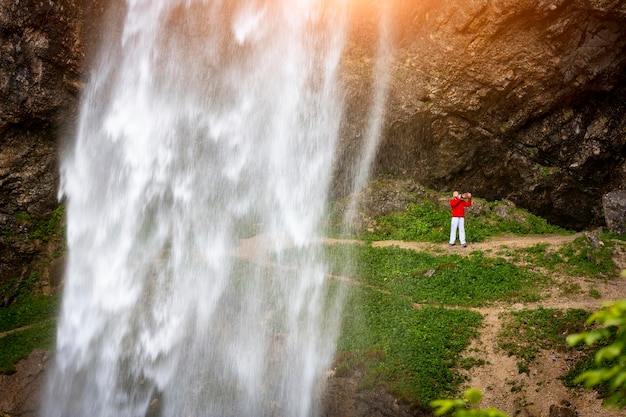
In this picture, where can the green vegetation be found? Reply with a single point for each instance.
(420, 222)
(526, 332)
(461, 407)
(399, 285)
(429, 222)
(48, 229)
(407, 316)
(44, 230)
(29, 321)
(585, 256)
(27, 312)
(29, 325)
(447, 280)
(21, 288)
(18, 345)
(415, 352)
(609, 367)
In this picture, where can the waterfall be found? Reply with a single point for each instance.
(196, 188)
(381, 75)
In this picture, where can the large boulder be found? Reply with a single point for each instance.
(614, 204)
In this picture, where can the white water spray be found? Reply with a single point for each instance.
(204, 123)
(382, 74)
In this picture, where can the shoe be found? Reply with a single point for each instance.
(465, 245)
(450, 244)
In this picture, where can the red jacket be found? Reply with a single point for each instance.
(458, 206)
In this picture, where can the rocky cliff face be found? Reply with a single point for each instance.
(516, 99)
(40, 61)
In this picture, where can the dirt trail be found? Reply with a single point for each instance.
(494, 244)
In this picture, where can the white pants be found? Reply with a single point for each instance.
(457, 222)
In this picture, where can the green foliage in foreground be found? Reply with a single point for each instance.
(415, 352)
(462, 407)
(428, 222)
(610, 360)
(429, 279)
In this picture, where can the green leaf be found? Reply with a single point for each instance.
(473, 395)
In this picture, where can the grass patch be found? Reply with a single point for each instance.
(414, 352)
(424, 222)
(32, 321)
(430, 279)
(28, 311)
(585, 256)
(18, 345)
(526, 332)
(429, 222)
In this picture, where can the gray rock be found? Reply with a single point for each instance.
(614, 204)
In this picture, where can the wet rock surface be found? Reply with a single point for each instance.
(40, 63)
(21, 390)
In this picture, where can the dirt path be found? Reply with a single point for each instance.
(494, 244)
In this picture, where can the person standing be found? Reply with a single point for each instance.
(458, 204)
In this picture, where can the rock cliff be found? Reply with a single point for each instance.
(40, 62)
(516, 99)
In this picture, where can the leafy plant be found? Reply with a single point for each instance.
(462, 407)
(610, 360)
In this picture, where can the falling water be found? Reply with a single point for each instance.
(196, 188)
(382, 73)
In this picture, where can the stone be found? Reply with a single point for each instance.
(614, 204)
(21, 390)
(563, 409)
